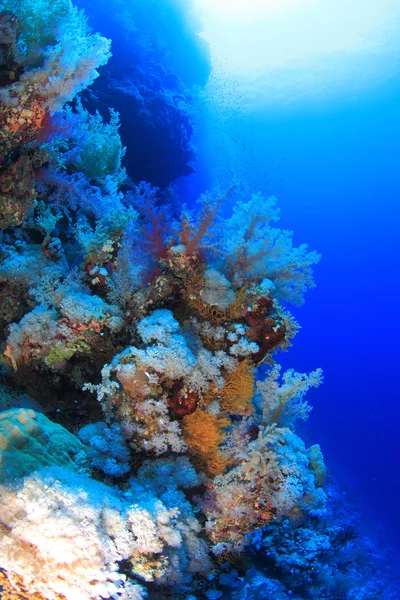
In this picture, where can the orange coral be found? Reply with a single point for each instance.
(236, 397)
(17, 590)
(237, 393)
(204, 433)
(206, 312)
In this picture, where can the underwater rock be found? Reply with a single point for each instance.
(26, 402)
(17, 187)
(317, 464)
(10, 67)
(144, 81)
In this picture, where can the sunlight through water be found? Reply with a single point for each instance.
(286, 51)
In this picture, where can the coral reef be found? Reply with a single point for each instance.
(144, 452)
(73, 542)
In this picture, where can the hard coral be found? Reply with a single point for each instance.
(29, 441)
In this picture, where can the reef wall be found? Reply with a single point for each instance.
(142, 452)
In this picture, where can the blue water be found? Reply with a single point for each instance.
(334, 165)
(334, 168)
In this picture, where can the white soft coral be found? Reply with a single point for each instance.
(54, 535)
(64, 533)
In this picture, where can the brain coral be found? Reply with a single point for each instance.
(29, 441)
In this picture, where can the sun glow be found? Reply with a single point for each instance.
(247, 7)
(294, 48)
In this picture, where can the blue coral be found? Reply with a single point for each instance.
(107, 450)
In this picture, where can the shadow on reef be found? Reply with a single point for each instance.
(147, 82)
(142, 454)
